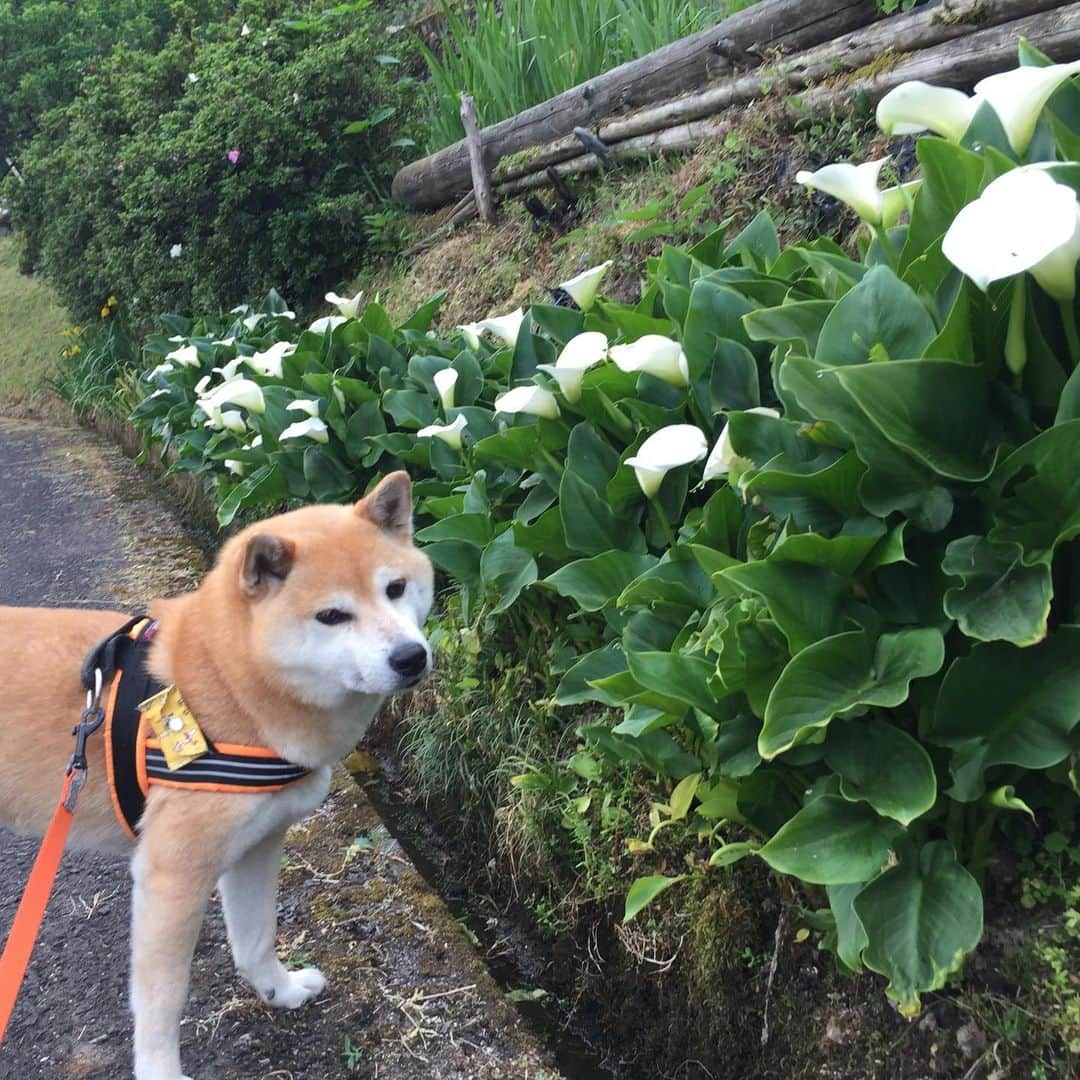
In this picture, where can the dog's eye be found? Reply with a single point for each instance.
(396, 588)
(332, 616)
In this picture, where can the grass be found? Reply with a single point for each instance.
(517, 53)
(34, 324)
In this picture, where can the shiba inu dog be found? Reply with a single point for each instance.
(291, 643)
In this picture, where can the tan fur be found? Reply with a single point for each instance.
(222, 645)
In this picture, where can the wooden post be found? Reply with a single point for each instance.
(485, 201)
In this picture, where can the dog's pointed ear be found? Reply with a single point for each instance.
(390, 505)
(267, 561)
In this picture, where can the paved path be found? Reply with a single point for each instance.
(408, 997)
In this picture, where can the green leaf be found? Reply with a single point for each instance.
(804, 600)
(843, 672)
(589, 523)
(934, 410)
(1001, 705)
(880, 311)
(921, 918)
(1037, 493)
(850, 934)
(506, 569)
(831, 842)
(799, 321)
(1005, 798)
(843, 554)
(732, 853)
(1001, 599)
(574, 687)
(596, 582)
(882, 765)
(644, 890)
(678, 676)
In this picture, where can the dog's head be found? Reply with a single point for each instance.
(335, 597)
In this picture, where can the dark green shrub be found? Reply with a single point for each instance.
(140, 162)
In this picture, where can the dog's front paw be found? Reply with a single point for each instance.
(297, 988)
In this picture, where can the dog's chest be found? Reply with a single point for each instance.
(276, 811)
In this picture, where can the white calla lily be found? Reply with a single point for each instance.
(311, 428)
(230, 368)
(268, 362)
(895, 200)
(187, 355)
(445, 380)
(327, 324)
(237, 468)
(1018, 97)
(349, 307)
(918, 106)
(228, 342)
(161, 369)
(580, 353)
(449, 433)
(855, 185)
(666, 449)
(656, 355)
(202, 385)
(1023, 221)
(243, 392)
(504, 327)
(472, 332)
(304, 405)
(719, 463)
(534, 400)
(251, 321)
(582, 287)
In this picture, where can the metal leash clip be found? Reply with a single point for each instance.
(92, 718)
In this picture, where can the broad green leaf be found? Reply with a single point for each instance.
(843, 554)
(850, 935)
(1001, 599)
(732, 853)
(831, 842)
(506, 569)
(1001, 705)
(804, 600)
(574, 687)
(598, 581)
(921, 918)
(882, 765)
(682, 796)
(589, 524)
(879, 311)
(934, 410)
(473, 529)
(799, 321)
(843, 672)
(681, 677)
(644, 890)
(758, 243)
(1037, 489)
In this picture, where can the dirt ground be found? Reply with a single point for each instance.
(409, 998)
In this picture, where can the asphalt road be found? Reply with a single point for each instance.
(409, 998)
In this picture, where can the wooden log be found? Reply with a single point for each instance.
(481, 182)
(739, 42)
(919, 29)
(958, 63)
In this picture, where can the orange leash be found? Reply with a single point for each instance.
(24, 930)
(35, 897)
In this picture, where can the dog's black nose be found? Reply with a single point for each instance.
(409, 660)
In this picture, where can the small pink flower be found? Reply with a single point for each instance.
(233, 156)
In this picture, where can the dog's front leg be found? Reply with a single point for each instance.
(168, 904)
(249, 899)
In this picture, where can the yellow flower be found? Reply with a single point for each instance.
(105, 312)
(112, 301)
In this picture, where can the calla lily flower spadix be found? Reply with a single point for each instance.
(533, 400)
(655, 355)
(582, 288)
(723, 454)
(311, 428)
(449, 433)
(666, 449)
(349, 307)
(445, 380)
(854, 185)
(581, 352)
(268, 362)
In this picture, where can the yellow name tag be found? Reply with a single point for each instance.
(174, 726)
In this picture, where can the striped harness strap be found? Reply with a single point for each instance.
(134, 759)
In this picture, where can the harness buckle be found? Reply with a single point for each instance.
(92, 718)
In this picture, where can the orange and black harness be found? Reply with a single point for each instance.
(115, 670)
